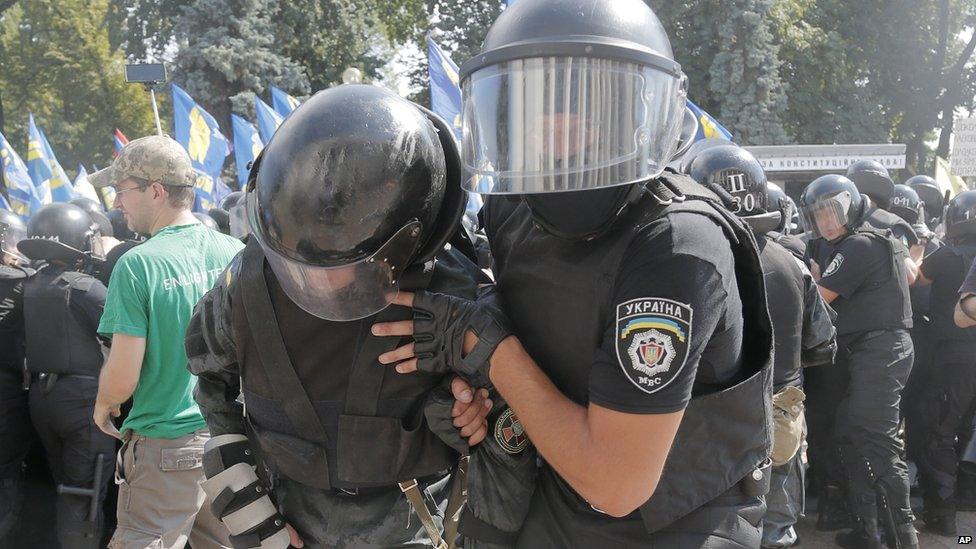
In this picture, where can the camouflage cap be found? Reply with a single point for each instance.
(153, 158)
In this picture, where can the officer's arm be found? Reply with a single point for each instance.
(828, 295)
(819, 335)
(613, 459)
(965, 313)
(212, 357)
(911, 271)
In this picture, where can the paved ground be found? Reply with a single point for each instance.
(810, 538)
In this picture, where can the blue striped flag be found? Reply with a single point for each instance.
(268, 119)
(23, 195)
(708, 127)
(445, 92)
(37, 165)
(282, 102)
(200, 135)
(61, 188)
(247, 145)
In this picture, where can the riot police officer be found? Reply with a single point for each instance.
(947, 414)
(862, 274)
(933, 201)
(803, 333)
(15, 429)
(353, 200)
(622, 291)
(127, 239)
(874, 183)
(62, 307)
(785, 234)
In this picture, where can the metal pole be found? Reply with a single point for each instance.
(152, 97)
(3, 167)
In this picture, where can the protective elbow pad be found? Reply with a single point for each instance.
(238, 497)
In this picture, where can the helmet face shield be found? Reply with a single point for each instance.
(10, 235)
(550, 124)
(828, 217)
(346, 292)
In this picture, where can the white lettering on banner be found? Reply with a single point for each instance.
(805, 163)
(190, 279)
(962, 161)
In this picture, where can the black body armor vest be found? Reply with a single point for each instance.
(882, 305)
(57, 342)
(360, 424)
(784, 293)
(725, 435)
(942, 313)
(12, 317)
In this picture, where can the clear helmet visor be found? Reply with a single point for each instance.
(348, 292)
(238, 221)
(9, 237)
(550, 124)
(828, 217)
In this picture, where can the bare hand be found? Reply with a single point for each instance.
(294, 540)
(103, 418)
(470, 411)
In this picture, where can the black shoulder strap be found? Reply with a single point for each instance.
(263, 324)
(366, 379)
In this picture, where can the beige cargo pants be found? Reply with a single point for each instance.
(161, 504)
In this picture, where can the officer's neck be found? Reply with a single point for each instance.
(168, 217)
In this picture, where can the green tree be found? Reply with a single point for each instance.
(745, 74)
(57, 63)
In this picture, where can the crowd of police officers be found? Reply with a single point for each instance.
(724, 349)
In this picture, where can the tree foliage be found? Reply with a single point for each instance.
(57, 63)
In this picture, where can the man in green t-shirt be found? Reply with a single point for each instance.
(151, 296)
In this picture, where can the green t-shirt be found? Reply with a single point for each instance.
(151, 294)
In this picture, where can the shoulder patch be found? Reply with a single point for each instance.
(509, 433)
(652, 336)
(834, 265)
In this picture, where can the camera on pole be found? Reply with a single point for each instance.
(148, 74)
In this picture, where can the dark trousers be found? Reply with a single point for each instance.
(867, 421)
(62, 417)
(946, 423)
(15, 439)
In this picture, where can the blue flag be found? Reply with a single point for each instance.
(708, 126)
(200, 135)
(282, 102)
(268, 119)
(84, 188)
(4, 205)
(247, 145)
(23, 195)
(37, 165)
(61, 188)
(445, 92)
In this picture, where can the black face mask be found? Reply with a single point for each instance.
(579, 215)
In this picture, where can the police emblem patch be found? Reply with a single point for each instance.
(509, 432)
(834, 265)
(652, 337)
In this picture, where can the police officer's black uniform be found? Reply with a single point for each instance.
(866, 269)
(15, 427)
(947, 402)
(803, 333)
(62, 307)
(338, 466)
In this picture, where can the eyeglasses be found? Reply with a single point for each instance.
(139, 188)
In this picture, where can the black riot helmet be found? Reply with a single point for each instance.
(872, 179)
(357, 185)
(697, 148)
(831, 206)
(61, 232)
(12, 231)
(960, 216)
(781, 201)
(570, 95)
(932, 198)
(120, 227)
(232, 199)
(206, 221)
(906, 204)
(221, 218)
(97, 213)
(733, 170)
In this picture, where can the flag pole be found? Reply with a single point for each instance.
(152, 98)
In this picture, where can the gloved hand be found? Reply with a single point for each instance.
(440, 324)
